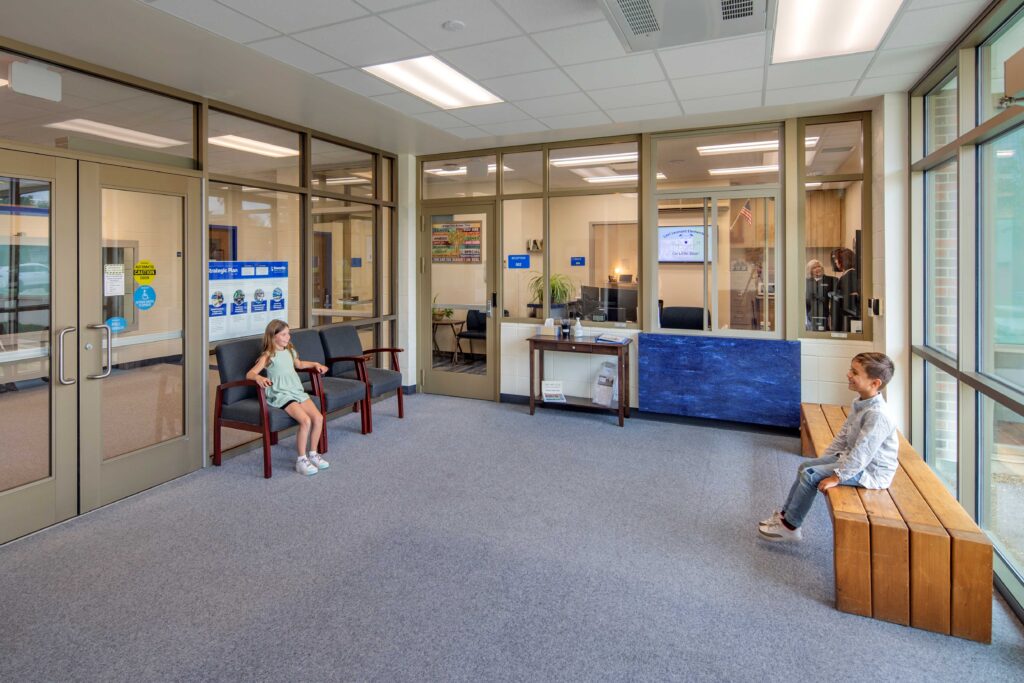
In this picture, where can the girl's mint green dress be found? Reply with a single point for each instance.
(286, 385)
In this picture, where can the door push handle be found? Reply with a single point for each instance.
(109, 339)
(492, 303)
(60, 357)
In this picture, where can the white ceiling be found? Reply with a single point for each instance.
(557, 63)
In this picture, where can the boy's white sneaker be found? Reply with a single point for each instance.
(304, 466)
(780, 532)
(318, 461)
(776, 518)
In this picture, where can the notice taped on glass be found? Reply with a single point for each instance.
(455, 242)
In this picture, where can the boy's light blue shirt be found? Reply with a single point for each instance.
(868, 444)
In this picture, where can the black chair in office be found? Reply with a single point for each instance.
(337, 392)
(347, 359)
(476, 328)
(240, 403)
(683, 318)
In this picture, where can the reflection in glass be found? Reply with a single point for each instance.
(832, 256)
(993, 56)
(522, 255)
(522, 172)
(611, 167)
(1002, 436)
(834, 148)
(940, 424)
(248, 149)
(24, 331)
(342, 170)
(746, 263)
(469, 177)
(343, 261)
(941, 253)
(940, 115)
(749, 157)
(682, 263)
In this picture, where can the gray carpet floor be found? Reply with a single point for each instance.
(467, 542)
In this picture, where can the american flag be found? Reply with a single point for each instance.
(746, 213)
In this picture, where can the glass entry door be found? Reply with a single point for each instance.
(458, 302)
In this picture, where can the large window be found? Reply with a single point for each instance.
(1001, 433)
(523, 232)
(343, 261)
(941, 253)
(243, 148)
(940, 114)
(342, 170)
(992, 56)
(940, 424)
(466, 177)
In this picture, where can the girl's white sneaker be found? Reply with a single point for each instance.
(304, 466)
(318, 461)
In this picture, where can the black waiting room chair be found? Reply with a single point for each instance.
(337, 392)
(241, 403)
(346, 358)
(683, 317)
(476, 328)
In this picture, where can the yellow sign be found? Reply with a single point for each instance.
(144, 272)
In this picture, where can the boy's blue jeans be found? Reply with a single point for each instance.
(805, 488)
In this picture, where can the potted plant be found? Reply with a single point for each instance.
(439, 313)
(563, 290)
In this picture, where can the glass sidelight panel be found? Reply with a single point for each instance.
(746, 258)
(25, 281)
(459, 295)
(143, 294)
(343, 261)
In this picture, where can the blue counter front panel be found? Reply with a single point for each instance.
(742, 380)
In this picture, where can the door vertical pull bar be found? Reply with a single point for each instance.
(60, 357)
(110, 344)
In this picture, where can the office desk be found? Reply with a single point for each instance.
(587, 345)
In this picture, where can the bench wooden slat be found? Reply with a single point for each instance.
(816, 434)
(929, 557)
(835, 416)
(890, 557)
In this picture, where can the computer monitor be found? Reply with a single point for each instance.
(613, 304)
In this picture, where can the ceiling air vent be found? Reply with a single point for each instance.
(649, 24)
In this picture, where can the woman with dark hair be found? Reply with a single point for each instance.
(818, 292)
(846, 297)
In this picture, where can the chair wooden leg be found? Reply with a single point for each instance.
(273, 439)
(362, 417)
(216, 434)
(368, 411)
(267, 436)
(401, 405)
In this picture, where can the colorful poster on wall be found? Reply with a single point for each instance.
(455, 242)
(238, 296)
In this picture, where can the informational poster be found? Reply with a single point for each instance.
(113, 279)
(456, 242)
(245, 296)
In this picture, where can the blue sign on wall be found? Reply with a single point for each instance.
(518, 261)
(357, 262)
(145, 298)
(117, 324)
(577, 260)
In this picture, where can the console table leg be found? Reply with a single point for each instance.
(532, 393)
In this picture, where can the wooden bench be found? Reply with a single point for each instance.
(909, 554)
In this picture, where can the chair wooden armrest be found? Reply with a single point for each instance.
(360, 362)
(394, 355)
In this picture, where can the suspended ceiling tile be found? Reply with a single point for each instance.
(541, 15)
(358, 81)
(574, 103)
(939, 24)
(514, 127)
(634, 95)
(886, 84)
(440, 119)
(484, 23)
(406, 104)
(467, 132)
(290, 17)
(718, 85)
(501, 58)
(579, 44)
(609, 73)
(301, 56)
(363, 42)
(385, 5)
(926, 4)
(719, 56)
(810, 93)
(490, 113)
(535, 84)
(734, 102)
(217, 18)
(814, 71)
(650, 111)
(907, 60)
(594, 118)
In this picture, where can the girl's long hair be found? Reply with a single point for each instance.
(273, 327)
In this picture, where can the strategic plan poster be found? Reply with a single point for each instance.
(245, 296)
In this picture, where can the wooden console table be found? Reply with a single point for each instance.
(588, 345)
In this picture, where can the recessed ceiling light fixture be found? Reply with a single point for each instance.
(434, 81)
(740, 147)
(809, 29)
(627, 178)
(462, 170)
(744, 170)
(595, 160)
(1004, 153)
(348, 180)
(253, 146)
(105, 130)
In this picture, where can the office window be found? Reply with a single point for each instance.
(749, 157)
(467, 177)
(387, 238)
(522, 256)
(242, 148)
(342, 170)
(522, 172)
(611, 167)
(1003, 45)
(941, 252)
(98, 116)
(343, 261)
(1001, 433)
(940, 424)
(388, 179)
(249, 224)
(594, 260)
(1002, 251)
(940, 115)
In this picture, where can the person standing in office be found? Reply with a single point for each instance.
(819, 290)
(846, 297)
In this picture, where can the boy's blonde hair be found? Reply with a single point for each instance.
(876, 366)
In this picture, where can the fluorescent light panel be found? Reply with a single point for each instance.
(618, 178)
(432, 80)
(349, 180)
(105, 130)
(745, 170)
(741, 147)
(809, 29)
(596, 160)
(1004, 153)
(461, 170)
(253, 146)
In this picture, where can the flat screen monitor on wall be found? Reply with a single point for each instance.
(680, 244)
